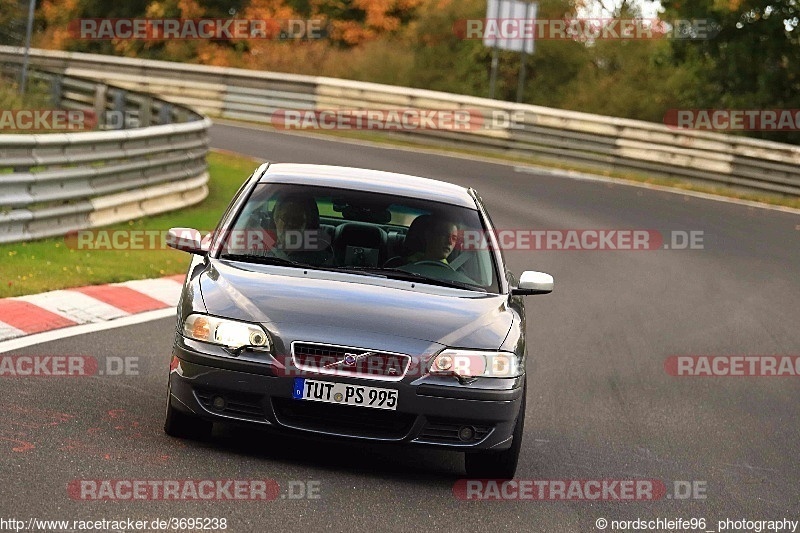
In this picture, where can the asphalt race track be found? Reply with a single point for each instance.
(600, 404)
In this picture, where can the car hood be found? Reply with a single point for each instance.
(355, 310)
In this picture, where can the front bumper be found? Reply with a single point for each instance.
(431, 410)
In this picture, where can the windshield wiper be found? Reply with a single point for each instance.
(281, 261)
(264, 260)
(398, 273)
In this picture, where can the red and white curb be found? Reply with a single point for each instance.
(29, 315)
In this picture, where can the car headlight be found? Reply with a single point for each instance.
(229, 333)
(476, 363)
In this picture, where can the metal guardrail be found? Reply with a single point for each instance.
(591, 141)
(150, 159)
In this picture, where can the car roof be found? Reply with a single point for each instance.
(362, 179)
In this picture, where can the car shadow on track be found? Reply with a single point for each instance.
(380, 460)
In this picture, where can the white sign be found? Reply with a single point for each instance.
(510, 25)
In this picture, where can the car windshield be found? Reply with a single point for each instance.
(366, 233)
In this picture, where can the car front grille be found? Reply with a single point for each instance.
(342, 419)
(348, 361)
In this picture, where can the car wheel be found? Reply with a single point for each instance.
(185, 426)
(498, 465)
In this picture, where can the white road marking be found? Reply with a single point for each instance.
(164, 290)
(64, 333)
(74, 306)
(581, 176)
(9, 332)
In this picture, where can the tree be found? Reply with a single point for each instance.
(754, 61)
(356, 21)
(12, 22)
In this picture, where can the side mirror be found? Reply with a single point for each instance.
(531, 282)
(187, 240)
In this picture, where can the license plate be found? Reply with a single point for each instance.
(344, 394)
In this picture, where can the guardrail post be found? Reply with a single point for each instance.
(145, 111)
(119, 108)
(165, 114)
(57, 90)
(100, 95)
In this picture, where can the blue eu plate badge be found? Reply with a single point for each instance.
(299, 385)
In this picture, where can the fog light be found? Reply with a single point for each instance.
(218, 403)
(466, 433)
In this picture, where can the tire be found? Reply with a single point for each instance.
(503, 464)
(185, 426)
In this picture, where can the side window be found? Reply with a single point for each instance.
(234, 202)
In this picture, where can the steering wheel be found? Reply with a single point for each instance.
(436, 263)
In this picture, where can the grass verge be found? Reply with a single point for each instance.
(50, 264)
(36, 97)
